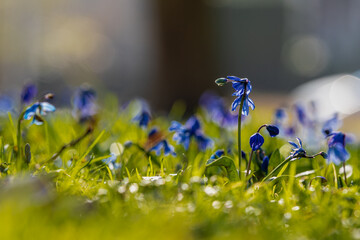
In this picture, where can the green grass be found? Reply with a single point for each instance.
(88, 200)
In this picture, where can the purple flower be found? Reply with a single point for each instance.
(265, 165)
(337, 152)
(84, 103)
(331, 125)
(28, 93)
(218, 111)
(300, 114)
(191, 129)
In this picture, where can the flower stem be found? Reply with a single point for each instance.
(249, 163)
(239, 129)
(277, 168)
(19, 149)
(345, 174)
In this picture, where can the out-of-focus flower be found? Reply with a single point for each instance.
(111, 162)
(218, 111)
(256, 141)
(265, 165)
(36, 110)
(300, 114)
(143, 117)
(280, 117)
(6, 104)
(331, 125)
(297, 151)
(217, 154)
(191, 129)
(156, 142)
(84, 103)
(337, 152)
(28, 93)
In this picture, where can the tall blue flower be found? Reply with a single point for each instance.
(84, 103)
(191, 129)
(36, 110)
(156, 142)
(242, 88)
(337, 152)
(28, 93)
(143, 117)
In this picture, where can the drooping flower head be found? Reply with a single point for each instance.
(143, 117)
(297, 150)
(218, 111)
(257, 140)
(191, 129)
(28, 93)
(84, 103)
(37, 110)
(242, 88)
(337, 152)
(157, 142)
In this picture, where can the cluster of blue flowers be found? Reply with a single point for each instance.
(191, 129)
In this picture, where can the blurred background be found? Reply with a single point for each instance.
(166, 50)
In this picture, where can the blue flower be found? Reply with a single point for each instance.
(28, 93)
(218, 111)
(144, 116)
(337, 152)
(84, 103)
(191, 129)
(217, 154)
(273, 130)
(157, 142)
(297, 151)
(239, 84)
(111, 162)
(300, 113)
(36, 110)
(265, 165)
(256, 141)
(331, 125)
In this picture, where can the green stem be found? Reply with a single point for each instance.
(278, 167)
(239, 129)
(18, 150)
(345, 174)
(249, 163)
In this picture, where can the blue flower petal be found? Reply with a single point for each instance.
(273, 130)
(256, 141)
